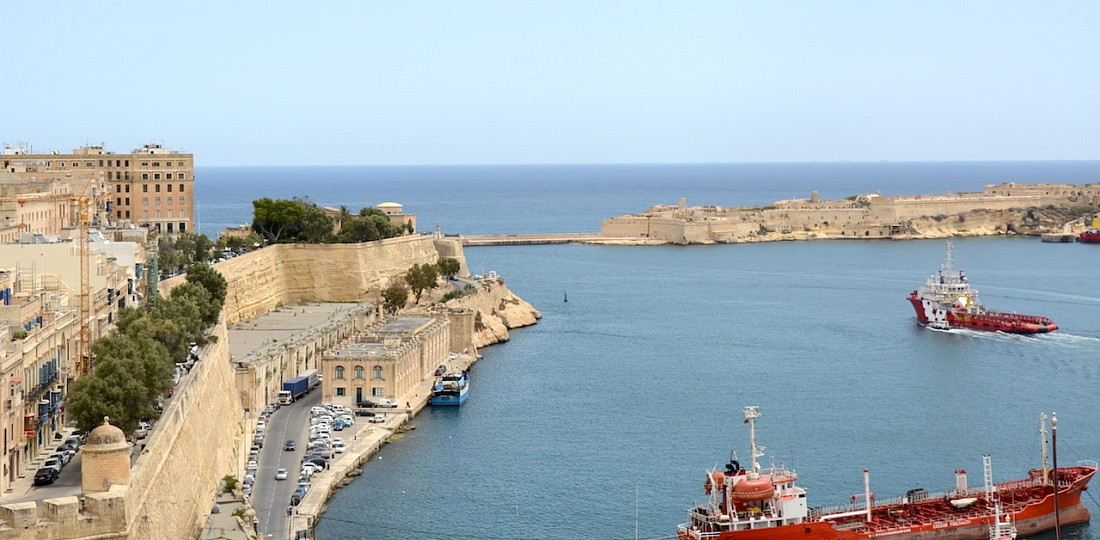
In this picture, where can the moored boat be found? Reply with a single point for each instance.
(1091, 236)
(767, 504)
(451, 390)
(948, 301)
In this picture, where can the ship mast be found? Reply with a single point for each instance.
(1054, 446)
(1043, 438)
(751, 414)
(949, 262)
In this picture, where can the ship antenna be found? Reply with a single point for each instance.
(1043, 439)
(948, 264)
(751, 414)
(1054, 448)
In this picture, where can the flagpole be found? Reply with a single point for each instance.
(1054, 449)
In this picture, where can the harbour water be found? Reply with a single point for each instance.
(635, 385)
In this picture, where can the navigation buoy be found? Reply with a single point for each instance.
(566, 295)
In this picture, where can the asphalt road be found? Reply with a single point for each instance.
(270, 497)
(66, 485)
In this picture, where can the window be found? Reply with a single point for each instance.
(169, 226)
(145, 201)
(377, 391)
(156, 176)
(118, 201)
(170, 216)
(181, 201)
(156, 164)
(181, 185)
(75, 164)
(183, 226)
(339, 372)
(144, 214)
(118, 188)
(157, 201)
(127, 177)
(127, 200)
(101, 163)
(127, 214)
(358, 372)
(341, 391)
(158, 217)
(144, 163)
(376, 372)
(181, 214)
(119, 214)
(89, 164)
(127, 163)
(170, 200)
(157, 187)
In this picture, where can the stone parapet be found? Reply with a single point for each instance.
(102, 516)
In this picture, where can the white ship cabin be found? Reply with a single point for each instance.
(746, 500)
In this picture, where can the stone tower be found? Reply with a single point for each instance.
(106, 459)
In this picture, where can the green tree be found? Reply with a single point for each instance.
(209, 279)
(448, 266)
(208, 308)
(316, 226)
(276, 219)
(176, 252)
(394, 298)
(421, 277)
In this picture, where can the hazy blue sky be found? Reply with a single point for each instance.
(406, 82)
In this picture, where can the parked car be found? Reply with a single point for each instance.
(280, 474)
(252, 465)
(377, 419)
(363, 412)
(339, 447)
(295, 498)
(366, 404)
(45, 475)
(386, 403)
(53, 462)
(63, 457)
(142, 430)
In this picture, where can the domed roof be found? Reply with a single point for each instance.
(106, 437)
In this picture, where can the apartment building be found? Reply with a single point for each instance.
(150, 186)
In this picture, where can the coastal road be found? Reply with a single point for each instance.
(270, 497)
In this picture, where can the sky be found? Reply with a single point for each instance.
(564, 81)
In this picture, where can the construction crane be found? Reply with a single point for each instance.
(84, 204)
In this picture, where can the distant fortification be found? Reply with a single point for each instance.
(860, 216)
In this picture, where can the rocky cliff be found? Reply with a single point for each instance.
(496, 310)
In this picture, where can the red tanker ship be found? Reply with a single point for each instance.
(757, 504)
(948, 301)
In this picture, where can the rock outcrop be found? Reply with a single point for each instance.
(496, 310)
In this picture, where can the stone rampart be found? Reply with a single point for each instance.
(103, 517)
(181, 465)
(261, 280)
(496, 309)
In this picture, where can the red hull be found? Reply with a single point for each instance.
(990, 321)
(1090, 237)
(1031, 507)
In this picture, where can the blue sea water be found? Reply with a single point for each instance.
(636, 384)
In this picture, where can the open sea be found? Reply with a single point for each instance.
(603, 419)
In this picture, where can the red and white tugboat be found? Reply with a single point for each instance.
(767, 504)
(948, 301)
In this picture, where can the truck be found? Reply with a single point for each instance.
(313, 377)
(293, 389)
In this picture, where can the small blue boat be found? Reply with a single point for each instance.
(451, 390)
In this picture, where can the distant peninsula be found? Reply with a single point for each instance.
(1005, 209)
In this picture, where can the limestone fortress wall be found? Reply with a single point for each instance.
(868, 215)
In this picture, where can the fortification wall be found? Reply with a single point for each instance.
(103, 517)
(194, 446)
(287, 273)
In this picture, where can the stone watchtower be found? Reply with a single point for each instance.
(106, 459)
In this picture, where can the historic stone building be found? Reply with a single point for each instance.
(151, 185)
(386, 361)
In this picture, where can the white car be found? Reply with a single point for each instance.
(252, 465)
(377, 419)
(339, 447)
(383, 402)
(280, 474)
